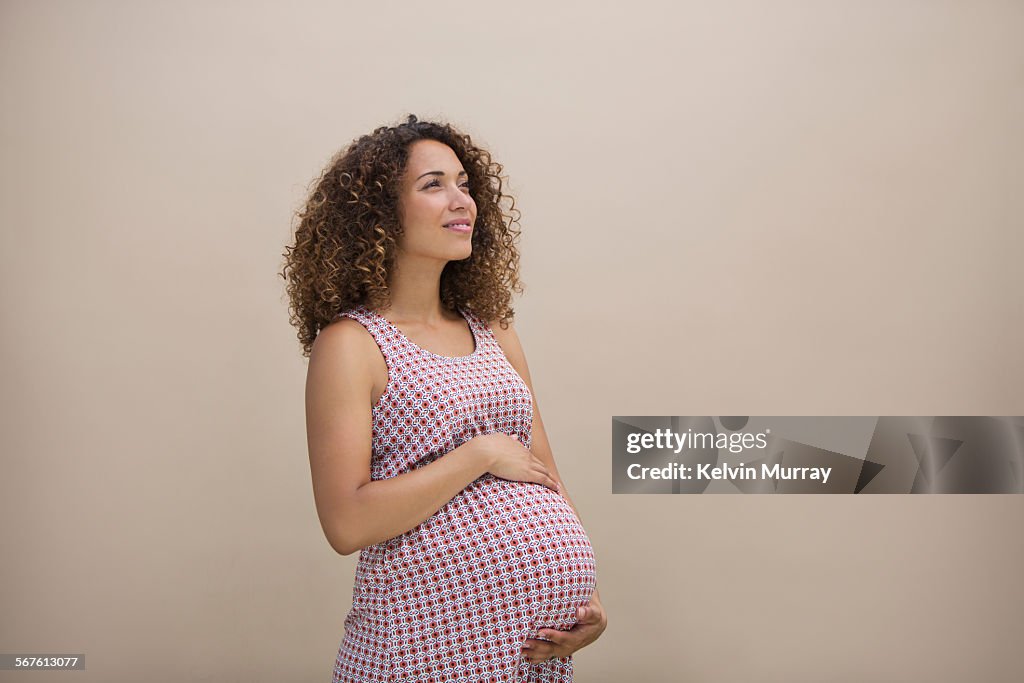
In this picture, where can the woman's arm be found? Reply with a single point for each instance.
(354, 511)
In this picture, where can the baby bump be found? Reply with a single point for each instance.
(533, 554)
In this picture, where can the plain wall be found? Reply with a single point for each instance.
(735, 208)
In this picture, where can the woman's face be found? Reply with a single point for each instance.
(434, 195)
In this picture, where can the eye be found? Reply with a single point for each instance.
(434, 182)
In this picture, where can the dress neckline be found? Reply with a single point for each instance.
(472, 331)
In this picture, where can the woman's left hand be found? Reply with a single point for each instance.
(590, 624)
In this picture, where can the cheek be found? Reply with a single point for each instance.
(421, 215)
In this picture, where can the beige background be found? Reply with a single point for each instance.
(803, 208)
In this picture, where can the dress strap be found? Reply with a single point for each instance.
(484, 333)
(481, 332)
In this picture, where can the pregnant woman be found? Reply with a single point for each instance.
(427, 450)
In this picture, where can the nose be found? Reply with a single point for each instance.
(461, 199)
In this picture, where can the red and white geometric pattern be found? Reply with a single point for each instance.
(454, 599)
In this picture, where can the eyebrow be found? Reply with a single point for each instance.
(441, 173)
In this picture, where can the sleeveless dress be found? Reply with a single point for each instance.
(454, 599)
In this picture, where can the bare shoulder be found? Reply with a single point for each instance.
(345, 351)
(506, 336)
(342, 340)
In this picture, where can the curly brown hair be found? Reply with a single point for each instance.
(346, 239)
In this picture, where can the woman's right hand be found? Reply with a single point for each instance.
(507, 458)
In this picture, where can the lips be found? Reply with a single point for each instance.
(460, 225)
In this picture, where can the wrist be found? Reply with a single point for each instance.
(480, 451)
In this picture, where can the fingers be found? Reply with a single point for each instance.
(535, 651)
(544, 474)
(550, 643)
(546, 479)
(557, 637)
(564, 643)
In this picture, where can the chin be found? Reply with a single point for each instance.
(461, 255)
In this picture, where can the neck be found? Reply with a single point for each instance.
(415, 286)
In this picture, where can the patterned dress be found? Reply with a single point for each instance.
(455, 598)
